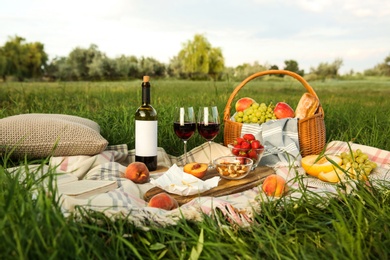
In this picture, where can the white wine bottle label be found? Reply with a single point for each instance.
(145, 138)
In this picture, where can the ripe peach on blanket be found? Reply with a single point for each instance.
(283, 110)
(274, 185)
(197, 169)
(137, 172)
(243, 103)
(163, 201)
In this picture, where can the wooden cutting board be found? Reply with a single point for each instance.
(159, 169)
(225, 187)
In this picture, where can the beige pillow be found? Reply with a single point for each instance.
(42, 135)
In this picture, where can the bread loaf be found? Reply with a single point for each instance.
(307, 106)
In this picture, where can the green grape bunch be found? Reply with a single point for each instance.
(357, 163)
(256, 113)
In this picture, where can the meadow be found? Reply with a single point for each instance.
(349, 227)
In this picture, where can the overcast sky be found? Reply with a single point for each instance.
(267, 31)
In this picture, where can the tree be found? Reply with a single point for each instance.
(36, 60)
(216, 62)
(244, 70)
(96, 68)
(14, 54)
(80, 59)
(326, 70)
(127, 67)
(381, 69)
(22, 60)
(3, 64)
(292, 65)
(152, 67)
(58, 68)
(176, 68)
(275, 67)
(199, 59)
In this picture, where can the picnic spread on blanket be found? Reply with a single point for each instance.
(128, 200)
(94, 177)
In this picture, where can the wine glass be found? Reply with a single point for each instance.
(184, 125)
(208, 125)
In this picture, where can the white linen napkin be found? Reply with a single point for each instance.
(176, 181)
(280, 138)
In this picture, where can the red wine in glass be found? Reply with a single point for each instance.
(208, 132)
(185, 131)
(208, 122)
(184, 125)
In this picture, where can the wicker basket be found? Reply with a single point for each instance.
(311, 130)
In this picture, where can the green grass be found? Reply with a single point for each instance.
(352, 226)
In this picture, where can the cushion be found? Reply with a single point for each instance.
(43, 135)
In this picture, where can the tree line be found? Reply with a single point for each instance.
(198, 59)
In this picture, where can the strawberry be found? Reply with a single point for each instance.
(242, 160)
(239, 140)
(249, 137)
(245, 145)
(252, 154)
(255, 144)
(236, 149)
(242, 153)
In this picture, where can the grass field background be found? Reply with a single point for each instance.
(354, 110)
(354, 226)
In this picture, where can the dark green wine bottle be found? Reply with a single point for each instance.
(146, 129)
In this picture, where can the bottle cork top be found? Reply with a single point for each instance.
(146, 79)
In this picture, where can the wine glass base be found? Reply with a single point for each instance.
(210, 167)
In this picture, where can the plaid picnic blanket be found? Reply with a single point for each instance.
(280, 138)
(127, 200)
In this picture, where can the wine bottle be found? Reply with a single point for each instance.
(146, 130)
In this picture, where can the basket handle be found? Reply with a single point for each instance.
(262, 73)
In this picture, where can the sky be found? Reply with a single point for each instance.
(247, 31)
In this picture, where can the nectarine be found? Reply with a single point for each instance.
(274, 185)
(137, 172)
(283, 110)
(197, 169)
(163, 201)
(243, 103)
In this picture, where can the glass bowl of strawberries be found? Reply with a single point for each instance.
(249, 147)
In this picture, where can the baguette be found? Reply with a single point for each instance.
(307, 106)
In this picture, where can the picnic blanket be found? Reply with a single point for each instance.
(127, 200)
(280, 138)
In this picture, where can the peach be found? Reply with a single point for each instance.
(197, 169)
(274, 185)
(137, 172)
(163, 201)
(243, 103)
(283, 110)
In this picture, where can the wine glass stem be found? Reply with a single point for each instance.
(211, 162)
(185, 152)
